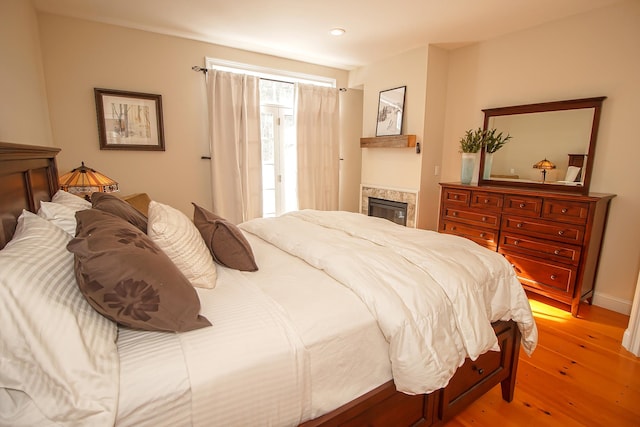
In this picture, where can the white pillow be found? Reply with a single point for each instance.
(572, 173)
(181, 241)
(54, 347)
(60, 215)
(69, 200)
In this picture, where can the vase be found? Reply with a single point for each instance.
(488, 161)
(468, 165)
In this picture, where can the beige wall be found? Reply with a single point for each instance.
(434, 119)
(79, 56)
(397, 168)
(595, 54)
(350, 152)
(24, 117)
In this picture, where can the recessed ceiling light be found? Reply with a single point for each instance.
(337, 31)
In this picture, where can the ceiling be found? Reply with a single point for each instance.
(298, 29)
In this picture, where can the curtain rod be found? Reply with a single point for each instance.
(199, 69)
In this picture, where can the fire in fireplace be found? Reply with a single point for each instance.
(388, 209)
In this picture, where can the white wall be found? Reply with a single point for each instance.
(79, 56)
(594, 54)
(24, 117)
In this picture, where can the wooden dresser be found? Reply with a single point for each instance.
(552, 239)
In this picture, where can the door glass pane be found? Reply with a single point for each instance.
(276, 93)
(290, 163)
(268, 203)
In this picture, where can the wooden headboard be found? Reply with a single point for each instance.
(28, 176)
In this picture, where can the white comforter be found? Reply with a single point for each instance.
(434, 295)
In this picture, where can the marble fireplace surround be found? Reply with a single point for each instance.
(393, 194)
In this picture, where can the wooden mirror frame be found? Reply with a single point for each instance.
(572, 104)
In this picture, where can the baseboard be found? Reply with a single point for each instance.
(612, 303)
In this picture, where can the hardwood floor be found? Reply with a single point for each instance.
(579, 375)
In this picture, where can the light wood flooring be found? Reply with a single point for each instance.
(579, 375)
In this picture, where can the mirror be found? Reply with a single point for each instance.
(552, 145)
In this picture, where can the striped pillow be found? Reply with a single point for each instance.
(71, 201)
(58, 354)
(179, 238)
(60, 215)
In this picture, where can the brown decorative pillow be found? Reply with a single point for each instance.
(115, 205)
(226, 242)
(128, 279)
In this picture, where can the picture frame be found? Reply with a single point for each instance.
(129, 120)
(390, 111)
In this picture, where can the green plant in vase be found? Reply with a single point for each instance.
(492, 143)
(472, 141)
(470, 144)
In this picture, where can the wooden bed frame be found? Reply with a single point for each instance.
(29, 175)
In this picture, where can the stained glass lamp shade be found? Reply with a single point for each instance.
(82, 181)
(545, 165)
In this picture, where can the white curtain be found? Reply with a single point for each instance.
(318, 147)
(234, 127)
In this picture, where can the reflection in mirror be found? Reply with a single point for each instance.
(563, 132)
(551, 135)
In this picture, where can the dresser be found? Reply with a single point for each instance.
(552, 239)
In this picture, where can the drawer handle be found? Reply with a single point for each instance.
(557, 252)
(475, 368)
(522, 205)
(483, 234)
(519, 225)
(564, 210)
(484, 219)
(561, 232)
(486, 200)
(455, 197)
(516, 242)
(453, 228)
(454, 213)
(554, 277)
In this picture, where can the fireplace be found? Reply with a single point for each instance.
(405, 197)
(388, 209)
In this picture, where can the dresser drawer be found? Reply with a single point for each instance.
(568, 233)
(542, 274)
(488, 219)
(541, 248)
(482, 200)
(454, 196)
(562, 210)
(523, 205)
(484, 237)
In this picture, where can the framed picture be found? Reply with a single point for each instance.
(129, 120)
(390, 110)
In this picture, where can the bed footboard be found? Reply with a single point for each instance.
(384, 406)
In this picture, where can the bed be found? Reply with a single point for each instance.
(312, 338)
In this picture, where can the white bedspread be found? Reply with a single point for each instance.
(433, 295)
(294, 340)
(229, 381)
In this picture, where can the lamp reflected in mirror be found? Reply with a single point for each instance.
(544, 165)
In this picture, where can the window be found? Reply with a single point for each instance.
(278, 132)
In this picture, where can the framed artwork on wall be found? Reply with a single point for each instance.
(129, 120)
(390, 111)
